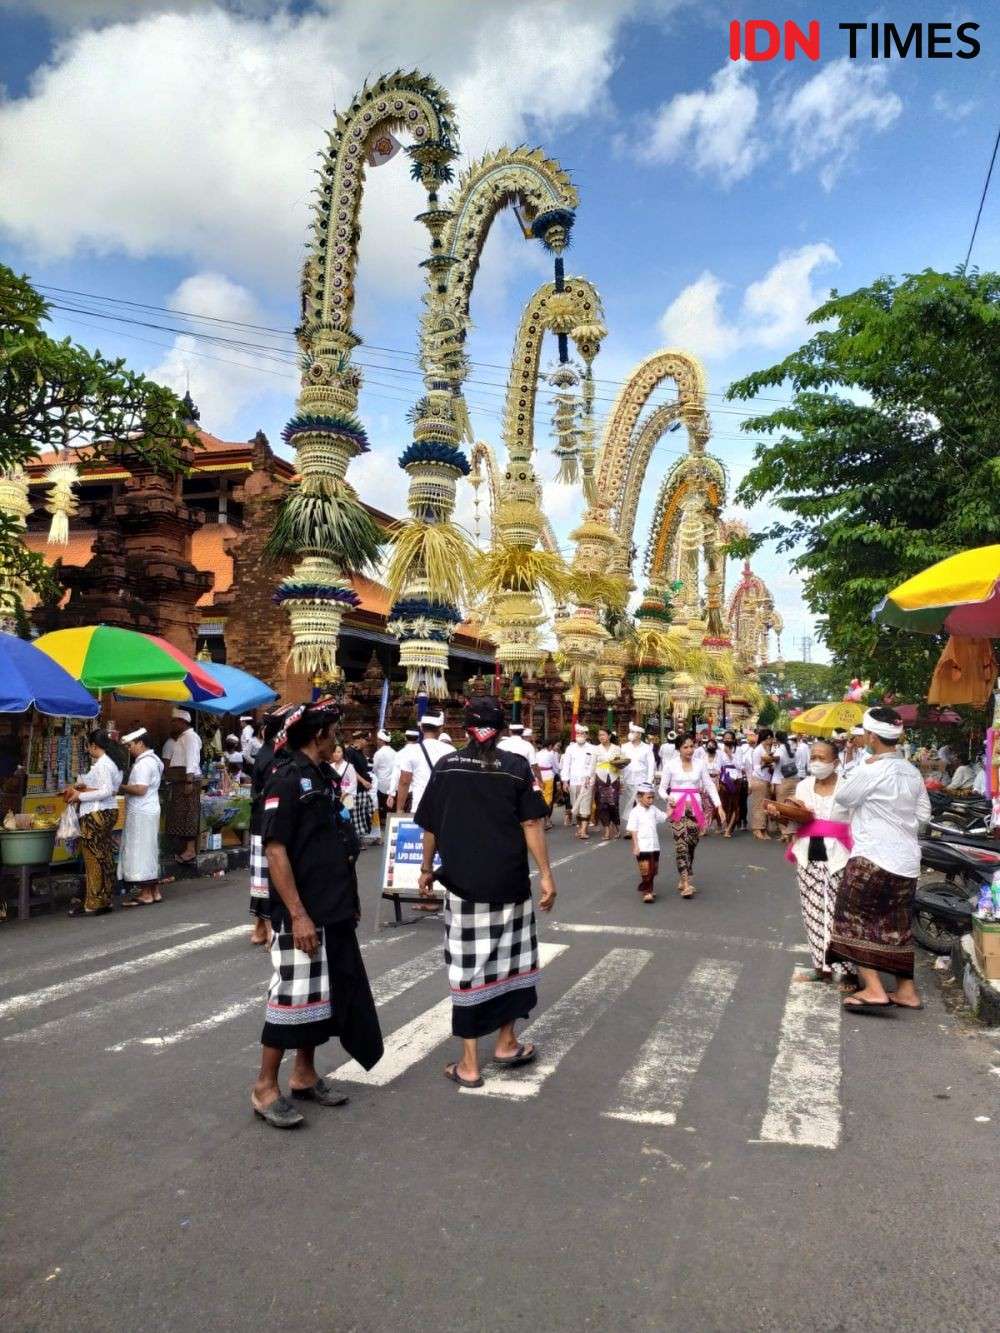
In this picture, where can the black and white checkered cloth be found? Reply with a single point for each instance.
(361, 815)
(300, 987)
(259, 884)
(490, 948)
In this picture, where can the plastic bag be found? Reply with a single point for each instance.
(68, 829)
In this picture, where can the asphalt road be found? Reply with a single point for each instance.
(703, 1144)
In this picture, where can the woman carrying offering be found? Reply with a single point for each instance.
(97, 796)
(685, 781)
(819, 851)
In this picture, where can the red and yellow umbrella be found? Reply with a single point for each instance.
(102, 657)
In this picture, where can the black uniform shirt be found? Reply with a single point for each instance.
(475, 810)
(358, 759)
(303, 813)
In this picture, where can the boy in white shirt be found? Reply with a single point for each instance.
(644, 825)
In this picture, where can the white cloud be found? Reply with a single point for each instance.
(195, 135)
(223, 383)
(715, 127)
(825, 118)
(772, 314)
(953, 108)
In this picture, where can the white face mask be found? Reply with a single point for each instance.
(820, 768)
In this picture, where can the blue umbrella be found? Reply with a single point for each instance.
(243, 692)
(29, 678)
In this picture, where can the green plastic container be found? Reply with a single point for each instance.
(27, 847)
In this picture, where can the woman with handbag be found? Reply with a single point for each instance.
(786, 778)
(96, 795)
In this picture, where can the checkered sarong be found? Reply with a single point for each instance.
(491, 949)
(361, 815)
(299, 992)
(259, 884)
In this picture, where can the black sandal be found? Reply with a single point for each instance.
(281, 1114)
(323, 1092)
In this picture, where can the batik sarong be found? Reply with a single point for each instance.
(259, 883)
(686, 833)
(818, 886)
(491, 950)
(872, 919)
(183, 816)
(608, 794)
(97, 842)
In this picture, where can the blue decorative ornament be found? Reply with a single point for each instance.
(327, 425)
(564, 217)
(290, 591)
(412, 608)
(435, 451)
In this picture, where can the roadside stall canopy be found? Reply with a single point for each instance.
(31, 679)
(103, 657)
(960, 595)
(242, 692)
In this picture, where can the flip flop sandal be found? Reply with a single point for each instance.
(451, 1072)
(523, 1056)
(323, 1092)
(139, 902)
(867, 1007)
(897, 1005)
(649, 897)
(281, 1114)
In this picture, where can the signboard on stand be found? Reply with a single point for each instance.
(404, 854)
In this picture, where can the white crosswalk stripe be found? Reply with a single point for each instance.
(414, 1040)
(803, 1099)
(387, 987)
(15, 1003)
(110, 947)
(654, 1089)
(572, 1016)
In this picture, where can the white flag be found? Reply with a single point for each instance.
(384, 146)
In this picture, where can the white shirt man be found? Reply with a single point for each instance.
(519, 742)
(967, 775)
(578, 764)
(417, 760)
(641, 768)
(802, 758)
(383, 764)
(186, 753)
(411, 736)
(744, 757)
(249, 742)
(885, 801)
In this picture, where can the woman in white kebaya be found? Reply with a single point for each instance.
(685, 784)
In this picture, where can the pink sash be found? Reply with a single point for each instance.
(823, 828)
(690, 798)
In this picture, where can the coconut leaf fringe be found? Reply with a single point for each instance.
(335, 524)
(651, 647)
(516, 569)
(438, 553)
(569, 469)
(600, 590)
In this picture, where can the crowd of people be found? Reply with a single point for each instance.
(848, 810)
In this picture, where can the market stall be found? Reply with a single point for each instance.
(44, 718)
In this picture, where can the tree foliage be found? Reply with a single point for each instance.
(887, 458)
(55, 394)
(802, 684)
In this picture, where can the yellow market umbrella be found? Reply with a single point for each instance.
(822, 719)
(960, 595)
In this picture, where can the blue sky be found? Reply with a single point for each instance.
(161, 153)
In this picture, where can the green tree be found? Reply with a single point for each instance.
(768, 713)
(56, 394)
(887, 458)
(805, 683)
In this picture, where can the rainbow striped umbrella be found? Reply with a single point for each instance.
(102, 657)
(960, 595)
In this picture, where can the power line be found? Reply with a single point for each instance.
(288, 333)
(982, 198)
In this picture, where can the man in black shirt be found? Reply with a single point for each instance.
(260, 898)
(483, 811)
(319, 988)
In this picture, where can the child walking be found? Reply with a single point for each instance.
(644, 825)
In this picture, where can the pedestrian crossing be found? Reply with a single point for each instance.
(650, 1082)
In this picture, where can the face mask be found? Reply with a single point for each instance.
(821, 769)
(710, 749)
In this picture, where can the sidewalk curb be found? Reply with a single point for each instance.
(982, 996)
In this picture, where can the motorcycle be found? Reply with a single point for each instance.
(943, 908)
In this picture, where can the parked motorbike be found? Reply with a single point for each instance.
(942, 908)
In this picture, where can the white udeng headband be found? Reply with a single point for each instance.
(886, 731)
(136, 735)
